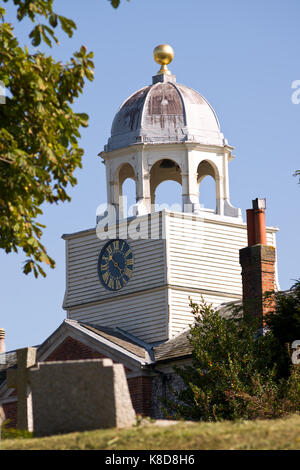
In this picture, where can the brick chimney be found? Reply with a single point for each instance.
(258, 265)
(2, 341)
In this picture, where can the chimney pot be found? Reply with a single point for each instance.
(256, 223)
(260, 227)
(259, 203)
(2, 341)
(258, 265)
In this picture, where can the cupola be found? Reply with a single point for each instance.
(167, 131)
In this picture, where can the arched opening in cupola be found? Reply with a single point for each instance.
(165, 185)
(128, 196)
(126, 182)
(206, 179)
(168, 195)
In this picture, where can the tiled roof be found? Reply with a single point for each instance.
(227, 308)
(7, 360)
(116, 337)
(174, 348)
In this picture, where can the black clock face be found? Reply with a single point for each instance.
(115, 264)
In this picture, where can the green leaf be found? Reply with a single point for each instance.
(53, 20)
(67, 25)
(36, 36)
(39, 130)
(115, 3)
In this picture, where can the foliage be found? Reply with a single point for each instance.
(232, 374)
(13, 433)
(269, 398)
(116, 3)
(39, 131)
(284, 325)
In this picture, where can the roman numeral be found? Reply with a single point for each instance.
(128, 272)
(104, 267)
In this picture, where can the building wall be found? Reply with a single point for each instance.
(203, 260)
(140, 389)
(10, 411)
(191, 256)
(71, 350)
(82, 281)
(143, 314)
(180, 311)
(163, 388)
(141, 306)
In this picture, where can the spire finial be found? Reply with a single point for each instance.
(163, 55)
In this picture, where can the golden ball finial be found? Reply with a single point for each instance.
(163, 55)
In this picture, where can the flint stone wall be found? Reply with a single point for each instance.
(162, 390)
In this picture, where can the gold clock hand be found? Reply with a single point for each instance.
(110, 258)
(117, 266)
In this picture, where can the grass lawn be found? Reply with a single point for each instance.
(282, 433)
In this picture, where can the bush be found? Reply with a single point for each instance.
(13, 433)
(232, 374)
(284, 324)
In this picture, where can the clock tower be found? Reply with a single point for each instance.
(139, 273)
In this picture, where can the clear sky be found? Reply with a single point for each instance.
(242, 56)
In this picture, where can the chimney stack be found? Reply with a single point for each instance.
(256, 224)
(258, 265)
(2, 341)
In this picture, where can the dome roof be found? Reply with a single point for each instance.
(165, 112)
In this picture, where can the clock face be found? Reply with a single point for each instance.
(115, 264)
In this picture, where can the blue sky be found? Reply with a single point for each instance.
(241, 56)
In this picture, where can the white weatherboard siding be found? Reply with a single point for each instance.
(203, 259)
(83, 285)
(180, 310)
(143, 315)
(139, 308)
(196, 255)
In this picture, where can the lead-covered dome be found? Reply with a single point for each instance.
(165, 112)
